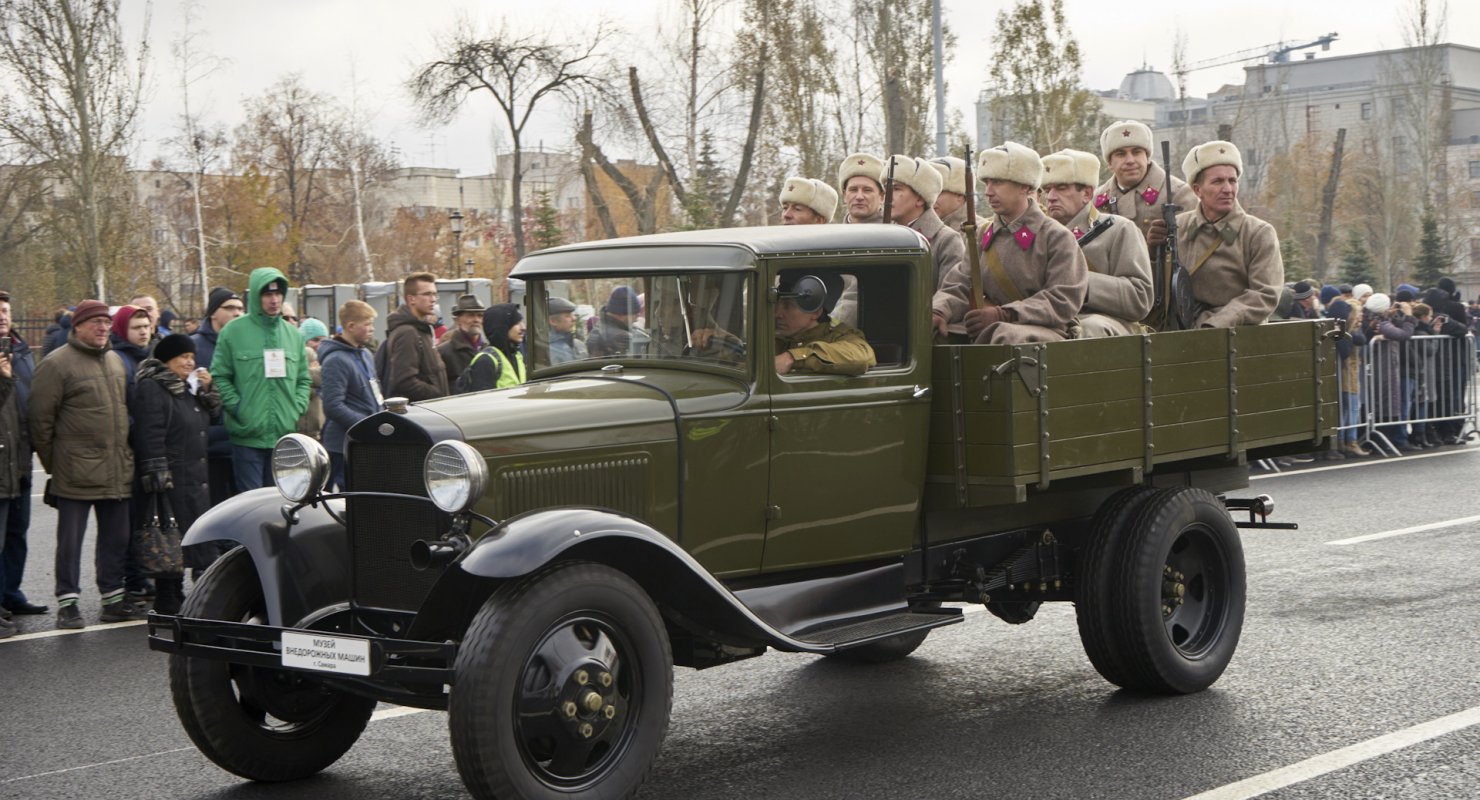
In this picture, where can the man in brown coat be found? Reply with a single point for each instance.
(950, 206)
(1137, 185)
(916, 187)
(1234, 258)
(863, 194)
(460, 344)
(1033, 273)
(1119, 291)
(414, 369)
(79, 427)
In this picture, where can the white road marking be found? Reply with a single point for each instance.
(1371, 462)
(1345, 757)
(90, 766)
(1432, 526)
(26, 637)
(395, 711)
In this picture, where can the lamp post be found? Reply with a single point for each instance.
(469, 268)
(455, 220)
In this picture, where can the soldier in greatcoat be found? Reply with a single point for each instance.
(1033, 273)
(950, 206)
(916, 185)
(1233, 257)
(1137, 184)
(863, 192)
(1119, 291)
(807, 201)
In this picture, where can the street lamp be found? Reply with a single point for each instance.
(455, 219)
(469, 268)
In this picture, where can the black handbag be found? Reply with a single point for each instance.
(156, 545)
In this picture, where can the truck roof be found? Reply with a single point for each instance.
(723, 248)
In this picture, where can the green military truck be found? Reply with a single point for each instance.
(535, 560)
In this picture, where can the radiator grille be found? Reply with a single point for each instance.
(382, 529)
(620, 484)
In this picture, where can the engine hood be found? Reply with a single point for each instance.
(589, 402)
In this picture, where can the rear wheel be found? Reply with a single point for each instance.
(1170, 595)
(564, 687)
(1094, 607)
(262, 724)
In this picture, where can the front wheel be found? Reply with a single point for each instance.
(564, 687)
(262, 724)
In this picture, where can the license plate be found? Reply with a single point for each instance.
(321, 653)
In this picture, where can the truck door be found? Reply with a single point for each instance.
(848, 453)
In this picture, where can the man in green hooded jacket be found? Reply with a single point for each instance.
(262, 374)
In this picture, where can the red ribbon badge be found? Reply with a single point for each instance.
(1150, 195)
(1024, 237)
(1101, 200)
(1078, 232)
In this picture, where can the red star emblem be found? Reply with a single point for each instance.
(1221, 151)
(1126, 134)
(860, 162)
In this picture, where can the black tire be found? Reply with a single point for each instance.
(262, 724)
(519, 675)
(1094, 607)
(1179, 592)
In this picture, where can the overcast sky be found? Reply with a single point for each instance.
(369, 47)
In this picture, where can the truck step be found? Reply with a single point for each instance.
(855, 631)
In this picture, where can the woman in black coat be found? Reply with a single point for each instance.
(170, 444)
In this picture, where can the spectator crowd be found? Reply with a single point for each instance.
(132, 412)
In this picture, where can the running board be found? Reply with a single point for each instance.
(855, 632)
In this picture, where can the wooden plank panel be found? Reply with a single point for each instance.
(1190, 407)
(1274, 338)
(1273, 368)
(1270, 424)
(1178, 378)
(1170, 439)
(1185, 347)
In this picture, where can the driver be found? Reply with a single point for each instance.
(807, 340)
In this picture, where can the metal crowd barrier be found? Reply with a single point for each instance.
(1420, 385)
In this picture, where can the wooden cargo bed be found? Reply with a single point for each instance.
(1028, 415)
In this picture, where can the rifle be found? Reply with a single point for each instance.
(968, 230)
(1170, 280)
(889, 193)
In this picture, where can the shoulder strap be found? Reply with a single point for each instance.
(999, 274)
(1218, 242)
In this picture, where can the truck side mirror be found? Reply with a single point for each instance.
(809, 292)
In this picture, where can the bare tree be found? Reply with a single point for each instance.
(288, 136)
(518, 72)
(74, 99)
(1035, 76)
(198, 144)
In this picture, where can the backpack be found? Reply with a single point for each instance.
(464, 383)
(383, 363)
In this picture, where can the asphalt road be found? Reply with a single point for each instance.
(1356, 677)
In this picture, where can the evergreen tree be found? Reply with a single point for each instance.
(707, 192)
(1356, 264)
(545, 230)
(1433, 257)
(1293, 255)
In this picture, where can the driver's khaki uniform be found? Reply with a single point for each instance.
(832, 348)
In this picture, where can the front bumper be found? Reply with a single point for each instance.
(393, 662)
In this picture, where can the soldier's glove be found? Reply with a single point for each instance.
(156, 476)
(978, 319)
(1156, 233)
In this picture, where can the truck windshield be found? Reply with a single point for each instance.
(697, 316)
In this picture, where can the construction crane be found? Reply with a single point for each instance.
(1277, 53)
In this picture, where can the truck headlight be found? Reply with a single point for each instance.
(300, 467)
(455, 476)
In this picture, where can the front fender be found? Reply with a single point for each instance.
(303, 568)
(682, 588)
